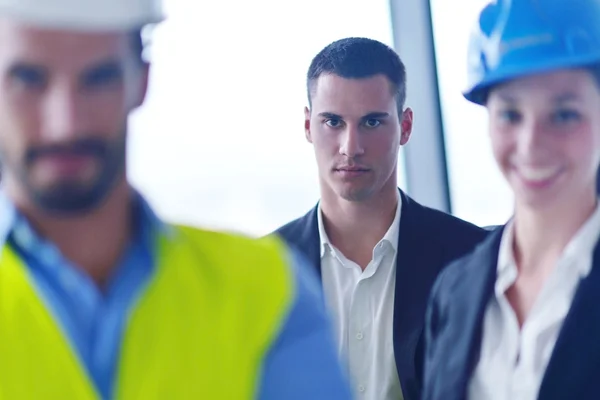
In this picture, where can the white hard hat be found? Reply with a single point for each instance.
(86, 15)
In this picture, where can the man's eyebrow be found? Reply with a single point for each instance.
(330, 115)
(376, 115)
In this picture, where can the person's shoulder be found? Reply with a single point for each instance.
(446, 229)
(241, 251)
(302, 362)
(303, 343)
(296, 227)
(296, 232)
(201, 234)
(290, 228)
(449, 222)
(453, 273)
(469, 265)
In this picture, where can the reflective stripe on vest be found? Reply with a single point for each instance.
(199, 330)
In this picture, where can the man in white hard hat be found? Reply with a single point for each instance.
(98, 298)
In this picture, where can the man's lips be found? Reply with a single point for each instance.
(352, 169)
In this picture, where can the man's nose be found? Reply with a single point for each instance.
(64, 116)
(351, 142)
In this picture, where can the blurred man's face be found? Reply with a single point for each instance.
(64, 102)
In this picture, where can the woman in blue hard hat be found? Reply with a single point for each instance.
(519, 318)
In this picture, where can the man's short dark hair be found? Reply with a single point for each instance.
(356, 58)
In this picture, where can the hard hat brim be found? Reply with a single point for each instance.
(478, 93)
(81, 20)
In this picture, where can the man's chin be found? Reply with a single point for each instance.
(355, 194)
(68, 197)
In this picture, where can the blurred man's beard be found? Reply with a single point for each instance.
(71, 196)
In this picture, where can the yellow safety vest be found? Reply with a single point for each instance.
(200, 329)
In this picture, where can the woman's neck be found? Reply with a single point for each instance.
(543, 234)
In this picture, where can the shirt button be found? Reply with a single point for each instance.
(359, 335)
(361, 388)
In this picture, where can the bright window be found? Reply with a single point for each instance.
(478, 190)
(220, 139)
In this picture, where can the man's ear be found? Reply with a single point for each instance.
(141, 88)
(406, 125)
(307, 133)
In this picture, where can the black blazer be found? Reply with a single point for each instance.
(428, 240)
(455, 322)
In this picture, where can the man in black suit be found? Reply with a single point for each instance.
(377, 251)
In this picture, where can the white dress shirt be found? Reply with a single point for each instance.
(362, 307)
(513, 361)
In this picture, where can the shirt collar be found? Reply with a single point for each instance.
(8, 217)
(14, 224)
(505, 253)
(584, 242)
(507, 267)
(391, 236)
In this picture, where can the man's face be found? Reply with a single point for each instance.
(64, 102)
(356, 132)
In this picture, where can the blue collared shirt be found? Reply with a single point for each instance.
(301, 364)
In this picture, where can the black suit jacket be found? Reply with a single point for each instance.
(428, 240)
(455, 322)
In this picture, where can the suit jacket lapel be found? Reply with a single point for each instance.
(413, 280)
(458, 322)
(575, 360)
(464, 347)
(308, 239)
(410, 282)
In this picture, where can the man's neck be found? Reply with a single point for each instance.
(93, 242)
(355, 228)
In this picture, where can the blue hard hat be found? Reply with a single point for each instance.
(513, 38)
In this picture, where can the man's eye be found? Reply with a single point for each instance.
(333, 122)
(30, 77)
(372, 123)
(104, 76)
